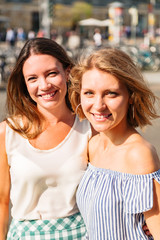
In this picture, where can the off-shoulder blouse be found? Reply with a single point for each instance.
(112, 203)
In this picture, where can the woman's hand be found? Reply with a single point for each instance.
(146, 230)
(152, 216)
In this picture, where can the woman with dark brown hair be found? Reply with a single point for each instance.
(43, 150)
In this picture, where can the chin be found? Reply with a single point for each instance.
(99, 128)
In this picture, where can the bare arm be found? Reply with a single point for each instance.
(145, 160)
(4, 185)
(153, 216)
(141, 158)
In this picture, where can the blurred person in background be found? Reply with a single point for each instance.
(31, 34)
(21, 37)
(10, 37)
(97, 37)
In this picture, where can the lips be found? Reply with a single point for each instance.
(101, 117)
(48, 95)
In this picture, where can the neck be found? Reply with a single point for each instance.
(114, 137)
(57, 115)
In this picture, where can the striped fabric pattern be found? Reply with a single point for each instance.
(68, 228)
(112, 203)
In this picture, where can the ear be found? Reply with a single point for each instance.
(67, 72)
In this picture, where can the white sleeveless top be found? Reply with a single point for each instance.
(44, 182)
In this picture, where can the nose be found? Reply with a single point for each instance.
(99, 104)
(44, 84)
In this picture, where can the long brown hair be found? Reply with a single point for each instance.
(20, 105)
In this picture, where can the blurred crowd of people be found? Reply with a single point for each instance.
(71, 38)
(17, 35)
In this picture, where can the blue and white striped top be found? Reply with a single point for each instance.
(112, 203)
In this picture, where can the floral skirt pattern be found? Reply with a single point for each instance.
(69, 228)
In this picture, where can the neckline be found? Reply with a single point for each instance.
(116, 173)
(59, 145)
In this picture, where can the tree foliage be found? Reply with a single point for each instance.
(81, 10)
(67, 16)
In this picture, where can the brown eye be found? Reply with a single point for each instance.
(31, 79)
(88, 93)
(112, 93)
(52, 73)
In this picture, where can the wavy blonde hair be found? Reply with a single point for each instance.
(120, 65)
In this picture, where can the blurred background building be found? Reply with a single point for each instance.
(64, 14)
(132, 25)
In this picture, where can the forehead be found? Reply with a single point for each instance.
(40, 61)
(41, 57)
(96, 78)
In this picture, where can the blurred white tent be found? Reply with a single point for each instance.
(95, 22)
(106, 23)
(90, 22)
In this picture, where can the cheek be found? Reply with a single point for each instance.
(85, 103)
(31, 89)
(120, 106)
(64, 87)
(61, 83)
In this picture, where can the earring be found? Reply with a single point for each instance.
(77, 108)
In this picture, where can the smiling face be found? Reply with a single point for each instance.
(46, 79)
(104, 100)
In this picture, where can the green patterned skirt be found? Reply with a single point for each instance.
(69, 228)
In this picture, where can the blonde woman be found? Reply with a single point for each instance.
(120, 191)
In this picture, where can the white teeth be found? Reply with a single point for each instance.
(48, 95)
(99, 116)
(102, 116)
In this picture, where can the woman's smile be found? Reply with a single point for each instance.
(48, 96)
(101, 117)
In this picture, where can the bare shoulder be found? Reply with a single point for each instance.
(2, 137)
(3, 156)
(4, 169)
(93, 144)
(2, 129)
(142, 157)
